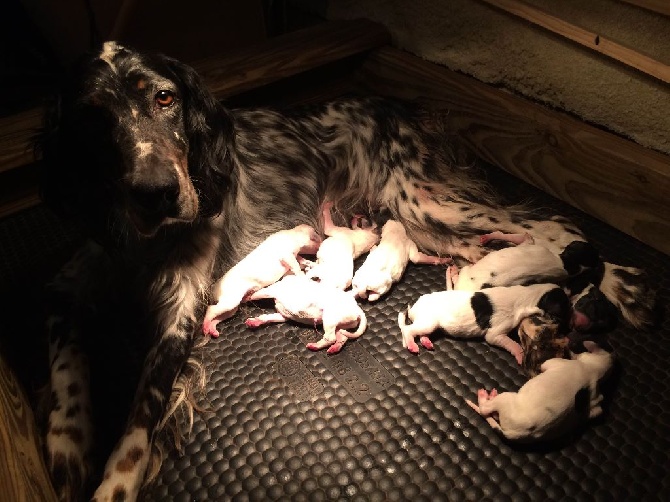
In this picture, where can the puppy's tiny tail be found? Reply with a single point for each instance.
(491, 421)
(473, 406)
(362, 326)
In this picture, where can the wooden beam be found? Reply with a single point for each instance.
(604, 175)
(23, 475)
(591, 40)
(658, 6)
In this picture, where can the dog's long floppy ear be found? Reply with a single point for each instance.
(77, 156)
(209, 128)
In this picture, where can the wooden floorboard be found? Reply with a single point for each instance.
(606, 176)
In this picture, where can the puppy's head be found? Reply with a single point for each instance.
(555, 304)
(139, 138)
(592, 312)
(541, 339)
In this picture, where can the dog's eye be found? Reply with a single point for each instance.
(164, 98)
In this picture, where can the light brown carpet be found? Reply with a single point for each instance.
(497, 48)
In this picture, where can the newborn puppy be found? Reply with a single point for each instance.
(491, 313)
(335, 257)
(541, 339)
(574, 257)
(265, 265)
(306, 301)
(592, 311)
(527, 264)
(552, 403)
(386, 262)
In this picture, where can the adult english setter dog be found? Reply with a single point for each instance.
(171, 188)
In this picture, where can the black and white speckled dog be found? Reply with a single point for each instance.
(173, 188)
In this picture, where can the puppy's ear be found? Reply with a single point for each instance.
(209, 130)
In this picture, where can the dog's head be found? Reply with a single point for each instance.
(138, 137)
(541, 339)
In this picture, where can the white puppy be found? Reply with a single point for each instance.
(491, 313)
(551, 403)
(335, 258)
(527, 263)
(304, 300)
(265, 265)
(387, 261)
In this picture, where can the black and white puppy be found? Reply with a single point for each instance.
(491, 313)
(564, 395)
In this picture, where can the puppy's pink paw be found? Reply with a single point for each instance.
(482, 395)
(493, 393)
(252, 322)
(334, 348)
(412, 347)
(209, 328)
(426, 343)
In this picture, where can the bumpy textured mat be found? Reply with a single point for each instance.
(375, 422)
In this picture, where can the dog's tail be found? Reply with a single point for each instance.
(629, 290)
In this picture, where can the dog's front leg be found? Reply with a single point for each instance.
(69, 434)
(126, 467)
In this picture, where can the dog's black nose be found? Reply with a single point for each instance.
(157, 200)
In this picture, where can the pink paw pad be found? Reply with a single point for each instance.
(426, 343)
(252, 323)
(209, 328)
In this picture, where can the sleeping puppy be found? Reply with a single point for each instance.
(387, 261)
(576, 266)
(264, 265)
(541, 339)
(592, 312)
(306, 301)
(561, 397)
(526, 264)
(335, 258)
(548, 259)
(491, 313)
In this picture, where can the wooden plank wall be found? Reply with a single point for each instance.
(604, 175)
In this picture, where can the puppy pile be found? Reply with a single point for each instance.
(541, 288)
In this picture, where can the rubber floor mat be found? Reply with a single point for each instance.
(377, 423)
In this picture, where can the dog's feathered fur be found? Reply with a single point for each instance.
(173, 188)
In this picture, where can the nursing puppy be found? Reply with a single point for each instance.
(335, 257)
(564, 395)
(306, 301)
(387, 261)
(263, 266)
(491, 313)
